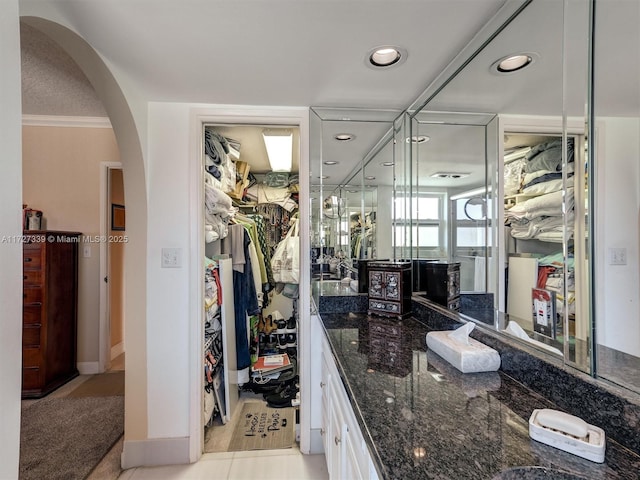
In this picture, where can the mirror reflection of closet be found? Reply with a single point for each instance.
(545, 99)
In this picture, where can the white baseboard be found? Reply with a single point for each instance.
(117, 350)
(160, 451)
(88, 368)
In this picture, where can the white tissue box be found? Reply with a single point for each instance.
(472, 358)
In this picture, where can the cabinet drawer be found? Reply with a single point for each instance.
(31, 314)
(32, 296)
(31, 335)
(32, 277)
(31, 378)
(32, 257)
(384, 306)
(31, 357)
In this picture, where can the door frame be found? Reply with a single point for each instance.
(243, 115)
(104, 331)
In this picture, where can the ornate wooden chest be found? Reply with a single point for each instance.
(443, 283)
(389, 289)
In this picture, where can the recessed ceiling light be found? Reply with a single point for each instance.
(330, 162)
(385, 56)
(453, 175)
(323, 177)
(418, 139)
(344, 137)
(387, 164)
(369, 177)
(513, 63)
(352, 191)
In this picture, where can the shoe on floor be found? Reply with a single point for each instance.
(283, 398)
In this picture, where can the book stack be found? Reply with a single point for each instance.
(270, 364)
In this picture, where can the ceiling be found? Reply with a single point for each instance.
(277, 52)
(312, 53)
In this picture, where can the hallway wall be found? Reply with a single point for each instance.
(116, 263)
(10, 252)
(61, 177)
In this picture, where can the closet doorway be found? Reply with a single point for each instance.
(113, 239)
(261, 204)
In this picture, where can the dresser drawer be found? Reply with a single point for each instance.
(32, 296)
(31, 378)
(31, 335)
(32, 257)
(32, 277)
(31, 357)
(31, 314)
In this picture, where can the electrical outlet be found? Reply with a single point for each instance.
(171, 258)
(618, 256)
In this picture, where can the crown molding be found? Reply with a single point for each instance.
(64, 121)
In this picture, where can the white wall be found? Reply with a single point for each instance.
(168, 288)
(617, 223)
(10, 226)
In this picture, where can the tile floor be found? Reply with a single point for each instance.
(285, 464)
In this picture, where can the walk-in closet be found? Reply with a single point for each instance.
(251, 277)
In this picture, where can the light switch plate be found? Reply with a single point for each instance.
(171, 258)
(618, 256)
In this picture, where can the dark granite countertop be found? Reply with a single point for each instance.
(422, 419)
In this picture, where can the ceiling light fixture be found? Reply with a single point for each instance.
(387, 164)
(418, 139)
(344, 137)
(369, 177)
(330, 162)
(323, 177)
(513, 63)
(279, 145)
(385, 56)
(452, 175)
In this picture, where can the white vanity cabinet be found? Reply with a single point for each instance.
(347, 454)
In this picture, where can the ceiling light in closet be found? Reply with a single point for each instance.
(513, 63)
(330, 162)
(279, 144)
(385, 56)
(344, 137)
(418, 139)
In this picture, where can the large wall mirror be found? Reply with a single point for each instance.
(348, 200)
(519, 228)
(526, 174)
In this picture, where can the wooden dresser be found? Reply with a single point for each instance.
(49, 319)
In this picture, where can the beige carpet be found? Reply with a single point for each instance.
(102, 385)
(260, 427)
(65, 438)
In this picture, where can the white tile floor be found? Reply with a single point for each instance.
(285, 464)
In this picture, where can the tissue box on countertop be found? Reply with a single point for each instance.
(472, 384)
(461, 351)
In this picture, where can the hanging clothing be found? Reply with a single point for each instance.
(245, 295)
